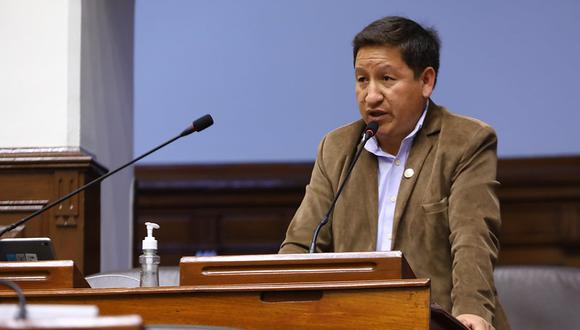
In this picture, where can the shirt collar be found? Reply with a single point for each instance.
(372, 145)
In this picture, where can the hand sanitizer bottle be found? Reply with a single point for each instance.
(149, 260)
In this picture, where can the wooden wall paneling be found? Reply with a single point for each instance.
(540, 201)
(225, 209)
(31, 178)
(245, 208)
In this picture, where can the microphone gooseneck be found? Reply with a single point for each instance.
(198, 125)
(22, 314)
(369, 131)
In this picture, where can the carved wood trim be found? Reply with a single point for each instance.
(22, 205)
(19, 158)
(67, 212)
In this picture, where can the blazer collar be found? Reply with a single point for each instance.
(432, 122)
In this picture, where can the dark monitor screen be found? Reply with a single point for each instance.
(26, 249)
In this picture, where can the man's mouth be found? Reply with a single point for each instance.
(377, 114)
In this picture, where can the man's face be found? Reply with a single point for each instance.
(387, 92)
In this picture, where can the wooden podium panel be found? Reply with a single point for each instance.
(391, 304)
(294, 268)
(37, 275)
(307, 291)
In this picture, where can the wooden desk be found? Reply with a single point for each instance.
(389, 304)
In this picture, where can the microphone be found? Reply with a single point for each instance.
(198, 125)
(369, 131)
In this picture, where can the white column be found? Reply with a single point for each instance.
(36, 91)
(107, 118)
(67, 82)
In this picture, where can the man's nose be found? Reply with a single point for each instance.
(374, 96)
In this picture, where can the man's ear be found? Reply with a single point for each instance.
(428, 80)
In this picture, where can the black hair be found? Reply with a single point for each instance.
(419, 46)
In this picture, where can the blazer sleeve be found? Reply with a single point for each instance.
(474, 223)
(317, 199)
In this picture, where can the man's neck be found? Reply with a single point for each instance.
(390, 145)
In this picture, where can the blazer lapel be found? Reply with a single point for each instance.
(357, 207)
(421, 147)
(370, 193)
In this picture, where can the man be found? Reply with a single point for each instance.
(425, 185)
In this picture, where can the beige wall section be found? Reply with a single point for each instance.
(34, 80)
(107, 117)
(67, 81)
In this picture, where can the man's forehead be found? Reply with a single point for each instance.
(379, 55)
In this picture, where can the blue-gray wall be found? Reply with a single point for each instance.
(277, 75)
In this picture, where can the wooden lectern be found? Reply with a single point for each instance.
(335, 269)
(294, 268)
(373, 290)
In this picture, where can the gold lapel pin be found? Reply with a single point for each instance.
(409, 173)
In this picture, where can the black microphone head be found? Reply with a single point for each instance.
(371, 129)
(202, 123)
(199, 124)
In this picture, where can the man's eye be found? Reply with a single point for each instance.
(361, 79)
(387, 78)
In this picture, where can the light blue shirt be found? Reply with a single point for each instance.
(391, 170)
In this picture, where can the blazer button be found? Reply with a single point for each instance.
(409, 173)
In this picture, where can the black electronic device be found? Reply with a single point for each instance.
(26, 249)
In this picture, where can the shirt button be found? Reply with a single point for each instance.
(397, 162)
(393, 198)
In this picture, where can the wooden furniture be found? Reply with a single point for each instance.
(30, 178)
(37, 275)
(246, 208)
(332, 268)
(261, 306)
(294, 268)
(310, 291)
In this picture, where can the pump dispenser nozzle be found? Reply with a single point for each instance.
(149, 260)
(150, 243)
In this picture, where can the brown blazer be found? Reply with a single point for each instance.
(446, 219)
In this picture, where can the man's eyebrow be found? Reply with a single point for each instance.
(380, 66)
